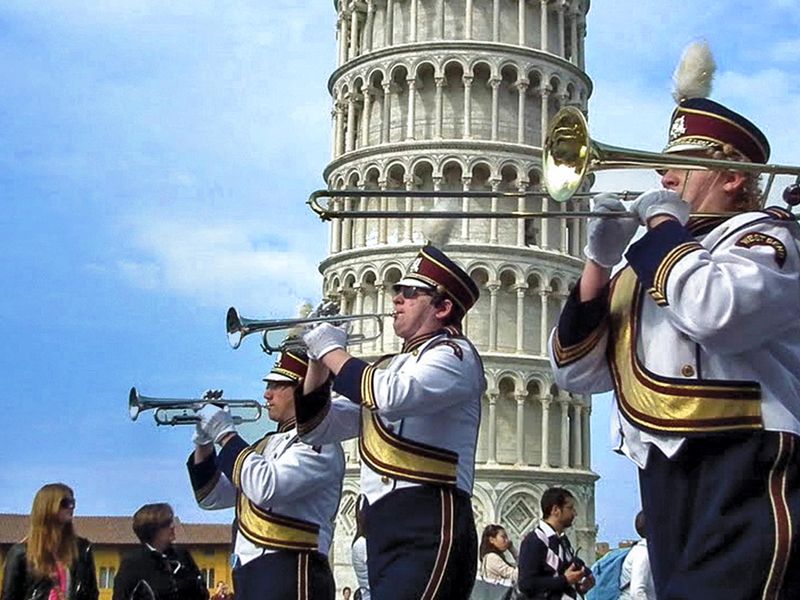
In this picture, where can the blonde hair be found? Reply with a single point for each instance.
(749, 196)
(48, 539)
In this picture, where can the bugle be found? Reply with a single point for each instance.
(239, 327)
(570, 155)
(185, 408)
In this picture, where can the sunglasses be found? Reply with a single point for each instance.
(67, 503)
(409, 292)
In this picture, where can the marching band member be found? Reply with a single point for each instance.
(699, 339)
(416, 415)
(286, 494)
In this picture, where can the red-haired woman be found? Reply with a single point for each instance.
(51, 563)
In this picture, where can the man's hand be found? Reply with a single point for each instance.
(573, 574)
(607, 238)
(324, 338)
(660, 203)
(215, 422)
(199, 437)
(585, 584)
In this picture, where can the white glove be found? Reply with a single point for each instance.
(324, 338)
(199, 437)
(215, 422)
(607, 238)
(660, 202)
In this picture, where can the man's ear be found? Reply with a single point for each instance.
(733, 181)
(444, 310)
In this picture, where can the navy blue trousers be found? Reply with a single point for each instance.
(421, 545)
(285, 576)
(723, 518)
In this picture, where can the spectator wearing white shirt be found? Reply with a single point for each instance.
(636, 577)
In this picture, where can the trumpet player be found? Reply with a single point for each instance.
(416, 415)
(286, 494)
(699, 339)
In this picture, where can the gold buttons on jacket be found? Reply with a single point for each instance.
(385, 480)
(687, 371)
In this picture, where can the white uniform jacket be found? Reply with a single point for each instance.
(286, 493)
(698, 334)
(416, 414)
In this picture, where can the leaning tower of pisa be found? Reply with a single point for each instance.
(456, 95)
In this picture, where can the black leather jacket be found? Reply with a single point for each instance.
(149, 575)
(19, 584)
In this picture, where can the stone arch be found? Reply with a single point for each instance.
(507, 316)
(453, 100)
(424, 100)
(508, 102)
(481, 100)
(476, 323)
(398, 114)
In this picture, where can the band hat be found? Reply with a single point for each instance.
(289, 368)
(700, 123)
(433, 269)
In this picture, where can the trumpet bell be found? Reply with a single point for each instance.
(234, 327)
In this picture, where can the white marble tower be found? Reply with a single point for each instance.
(456, 95)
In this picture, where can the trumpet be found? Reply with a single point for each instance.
(239, 327)
(184, 407)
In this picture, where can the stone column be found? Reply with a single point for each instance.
(521, 288)
(340, 112)
(438, 108)
(381, 307)
(387, 111)
(520, 398)
(334, 130)
(492, 459)
(565, 442)
(493, 289)
(544, 91)
(383, 225)
(544, 27)
(546, 400)
(413, 18)
(466, 184)
(468, 20)
(543, 323)
(370, 26)
(408, 232)
(467, 79)
(353, 51)
(577, 436)
(494, 83)
(561, 8)
(358, 309)
(440, 10)
(350, 138)
(389, 25)
(362, 224)
(495, 20)
(412, 98)
(521, 207)
(336, 228)
(581, 42)
(342, 27)
(587, 442)
(493, 222)
(366, 92)
(522, 86)
(521, 22)
(573, 37)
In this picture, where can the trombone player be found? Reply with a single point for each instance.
(699, 338)
(286, 494)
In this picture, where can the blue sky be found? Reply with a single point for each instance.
(154, 163)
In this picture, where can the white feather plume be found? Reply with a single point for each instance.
(437, 231)
(695, 72)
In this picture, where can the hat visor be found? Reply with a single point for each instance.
(413, 282)
(689, 147)
(279, 377)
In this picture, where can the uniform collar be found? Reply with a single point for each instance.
(287, 425)
(415, 342)
(700, 226)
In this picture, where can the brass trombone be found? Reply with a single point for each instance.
(239, 327)
(185, 408)
(570, 154)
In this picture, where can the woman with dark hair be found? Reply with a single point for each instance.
(157, 570)
(494, 568)
(51, 563)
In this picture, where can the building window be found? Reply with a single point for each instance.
(106, 579)
(208, 577)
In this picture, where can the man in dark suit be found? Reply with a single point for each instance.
(548, 567)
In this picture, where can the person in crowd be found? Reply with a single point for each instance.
(548, 567)
(416, 415)
(696, 338)
(158, 569)
(222, 592)
(636, 579)
(358, 551)
(51, 562)
(286, 493)
(494, 567)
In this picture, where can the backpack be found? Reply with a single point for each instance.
(607, 573)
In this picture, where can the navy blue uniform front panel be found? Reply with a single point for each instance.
(285, 576)
(709, 520)
(421, 545)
